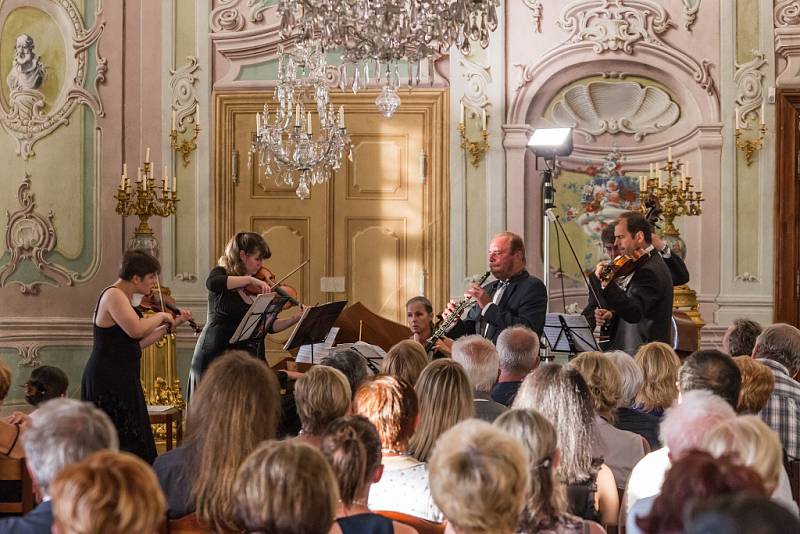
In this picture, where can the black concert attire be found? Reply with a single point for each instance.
(111, 381)
(523, 302)
(226, 309)
(641, 303)
(677, 268)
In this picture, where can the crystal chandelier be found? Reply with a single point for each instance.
(382, 34)
(287, 147)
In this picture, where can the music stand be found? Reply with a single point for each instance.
(569, 333)
(314, 325)
(251, 326)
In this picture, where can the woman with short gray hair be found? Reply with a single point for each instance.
(644, 424)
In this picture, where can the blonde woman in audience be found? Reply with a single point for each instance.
(546, 508)
(390, 404)
(619, 449)
(660, 365)
(561, 395)
(108, 493)
(445, 399)
(479, 479)
(285, 487)
(235, 408)
(405, 360)
(626, 418)
(353, 449)
(757, 385)
(10, 444)
(322, 394)
(755, 445)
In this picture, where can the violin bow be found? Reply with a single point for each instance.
(291, 272)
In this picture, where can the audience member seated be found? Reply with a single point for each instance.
(10, 444)
(626, 418)
(659, 365)
(285, 487)
(712, 371)
(778, 347)
(740, 513)
(405, 360)
(353, 449)
(740, 337)
(682, 429)
(235, 408)
(562, 396)
(350, 363)
(619, 449)
(479, 479)
(518, 350)
(45, 382)
(757, 384)
(695, 478)
(390, 404)
(322, 395)
(546, 506)
(63, 432)
(755, 445)
(445, 399)
(107, 493)
(480, 361)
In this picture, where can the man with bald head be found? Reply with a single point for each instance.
(518, 349)
(778, 347)
(513, 298)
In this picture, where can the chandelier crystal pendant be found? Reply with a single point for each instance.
(288, 149)
(379, 35)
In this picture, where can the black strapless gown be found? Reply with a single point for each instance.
(111, 382)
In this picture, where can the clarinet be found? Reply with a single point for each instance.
(446, 324)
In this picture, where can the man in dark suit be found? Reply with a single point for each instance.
(63, 432)
(638, 307)
(677, 268)
(514, 298)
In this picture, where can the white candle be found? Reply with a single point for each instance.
(147, 155)
(669, 154)
(341, 116)
(197, 114)
(297, 116)
(763, 112)
(174, 120)
(138, 175)
(174, 185)
(461, 113)
(642, 184)
(652, 170)
(125, 170)
(122, 182)
(308, 124)
(683, 171)
(736, 124)
(258, 122)
(484, 118)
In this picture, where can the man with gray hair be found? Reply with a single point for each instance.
(351, 363)
(60, 433)
(479, 358)
(740, 337)
(518, 349)
(778, 347)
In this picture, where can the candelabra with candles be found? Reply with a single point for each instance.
(750, 146)
(670, 188)
(145, 199)
(475, 149)
(189, 144)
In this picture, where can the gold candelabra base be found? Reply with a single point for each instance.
(475, 149)
(684, 298)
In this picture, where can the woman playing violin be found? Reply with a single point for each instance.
(111, 376)
(231, 285)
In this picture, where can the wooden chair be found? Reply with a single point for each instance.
(187, 524)
(423, 526)
(15, 470)
(793, 470)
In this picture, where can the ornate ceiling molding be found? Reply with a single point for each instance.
(600, 107)
(184, 94)
(690, 10)
(226, 17)
(23, 116)
(787, 13)
(614, 24)
(749, 92)
(536, 8)
(31, 236)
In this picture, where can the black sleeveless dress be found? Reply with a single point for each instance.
(111, 382)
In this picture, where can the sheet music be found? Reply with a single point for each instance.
(320, 349)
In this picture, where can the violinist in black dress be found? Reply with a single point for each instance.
(638, 307)
(111, 376)
(228, 301)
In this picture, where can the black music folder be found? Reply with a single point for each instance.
(315, 324)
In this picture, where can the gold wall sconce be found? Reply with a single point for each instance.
(475, 149)
(189, 144)
(750, 146)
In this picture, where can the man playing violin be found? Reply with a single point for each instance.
(677, 268)
(514, 298)
(638, 306)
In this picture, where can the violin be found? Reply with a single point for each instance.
(265, 275)
(620, 267)
(153, 302)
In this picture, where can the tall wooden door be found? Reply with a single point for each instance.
(376, 233)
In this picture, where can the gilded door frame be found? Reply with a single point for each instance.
(432, 103)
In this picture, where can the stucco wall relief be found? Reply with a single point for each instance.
(749, 93)
(599, 107)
